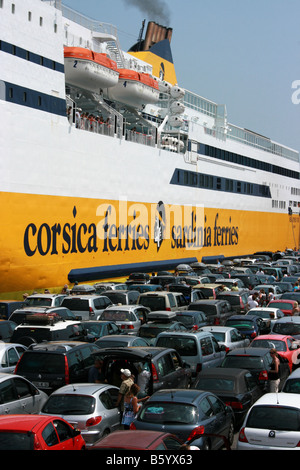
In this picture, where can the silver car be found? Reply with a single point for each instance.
(19, 396)
(10, 354)
(88, 407)
(129, 318)
(230, 337)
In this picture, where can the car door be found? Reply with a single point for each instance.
(29, 402)
(10, 358)
(112, 414)
(168, 377)
(221, 421)
(218, 354)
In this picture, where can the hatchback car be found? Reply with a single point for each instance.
(143, 440)
(51, 365)
(285, 305)
(258, 361)
(45, 300)
(235, 387)
(124, 297)
(35, 432)
(287, 326)
(272, 423)
(117, 341)
(166, 366)
(216, 311)
(159, 321)
(237, 299)
(88, 307)
(18, 395)
(192, 320)
(227, 336)
(267, 313)
(292, 383)
(91, 408)
(10, 354)
(186, 413)
(128, 318)
(20, 315)
(249, 325)
(98, 329)
(285, 345)
(159, 301)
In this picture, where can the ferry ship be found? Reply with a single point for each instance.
(109, 166)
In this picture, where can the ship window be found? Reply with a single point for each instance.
(11, 93)
(13, 8)
(1, 3)
(55, 27)
(24, 96)
(29, 16)
(41, 21)
(39, 101)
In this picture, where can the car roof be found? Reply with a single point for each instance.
(55, 346)
(82, 389)
(196, 333)
(184, 395)
(27, 423)
(120, 439)
(222, 372)
(141, 352)
(248, 352)
(285, 399)
(288, 319)
(124, 307)
(218, 328)
(294, 375)
(8, 345)
(274, 337)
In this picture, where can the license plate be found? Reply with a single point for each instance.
(41, 384)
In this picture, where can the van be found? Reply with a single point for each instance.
(88, 307)
(198, 349)
(7, 307)
(210, 291)
(159, 301)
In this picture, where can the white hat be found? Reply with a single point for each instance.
(126, 372)
(194, 448)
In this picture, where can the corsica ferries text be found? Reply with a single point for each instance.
(109, 236)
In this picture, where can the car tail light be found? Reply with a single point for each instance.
(132, 427)
(236, 405)
(227, 349)
(67, 375)
(168, 309)
(195, 432)
(93, 421)
(195, 327)
(263, 375)
(154, 373)
(217, 321)
(253, 335)
(91, 311)
(36, 444)
(127, 327)
(242, 436)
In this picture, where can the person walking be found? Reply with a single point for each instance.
(273, 374)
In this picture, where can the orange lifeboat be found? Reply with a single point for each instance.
(89, 70)
(134, 89)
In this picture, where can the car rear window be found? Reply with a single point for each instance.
(76, 304)
(38, 334)
(16, 440)
(281, 418)
(269, 343)
(70, 405)
(287, 328)
(168, 413)
(39, 302)
(292, 386)
(240, 324)
(151, 332)
(154, 303)
(117, 315)
(243, 362)
(215, 383)
(41, 362)
(184, 346)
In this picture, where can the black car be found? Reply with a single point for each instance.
(216, 311)
(237, 299)
(19, 316)
(124, 297)
(166, 367)
(295, 295)
(249, 326)
(97, 329)
(192, 319)
(235, 387)
(258, 362)
(7, 328)
(51, 365)
(159, 321)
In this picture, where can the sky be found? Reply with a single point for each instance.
(241, 53)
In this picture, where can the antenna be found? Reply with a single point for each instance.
(141, 35)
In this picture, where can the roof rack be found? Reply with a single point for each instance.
(161, 316)
(42, 319)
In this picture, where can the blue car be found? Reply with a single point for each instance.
(249, 326)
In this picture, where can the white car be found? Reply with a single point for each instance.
(10, 354)
(267, 313)
(227, 336)
(272, 423)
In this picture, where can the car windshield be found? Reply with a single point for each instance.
(167, 413)
(269, 343)
(215, 383)
(185, 346)
(243, 362)
(76, 304)
(288, 328)
(39, 302)
(16, 440)
(42, 362)
(117, 315)
(277, 417)
(292, 386)
(187, 320)
(70, 405)
(243, 324)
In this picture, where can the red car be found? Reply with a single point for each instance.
(286, 346)
(138, 440)
(37, 432)
(285, 305)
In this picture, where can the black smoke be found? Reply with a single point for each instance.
(156, 10)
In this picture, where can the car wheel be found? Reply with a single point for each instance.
(231, 434)
(205, 445)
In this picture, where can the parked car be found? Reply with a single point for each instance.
(209, 291)
(139, 277)
(20, 315)
(159, 321)
(10, 354)
(237, 299)
(199, 349)
(83, 289)
(284, 286)
(7, 307)
(272, 423)
(228, 337)
(89, 407)
(7, 328)
(292, 383)
(35, 432)
(249, 325)
(237, 388)
(98, 329)
(38, 328)
(164, 280)
(285, 305)
(128, 318)
(88, 307)
(143, 440)
(141, 288)
(184, 413)
(266, 287)
(295, 296)
(287, 326)
(50, 365)
(192, 319)
(160, 301)
(45, 300)
(258, 362)
(267, 313)
(124, 297)
(166, 366)
(19, 396)
(117, 341)
(285, 345)
(190, 294)
(250, 280)
(216, 311)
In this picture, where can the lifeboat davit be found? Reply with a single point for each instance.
(89, 70)
(134, 89)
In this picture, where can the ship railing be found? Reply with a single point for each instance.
(140, 138)
(95, 126)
